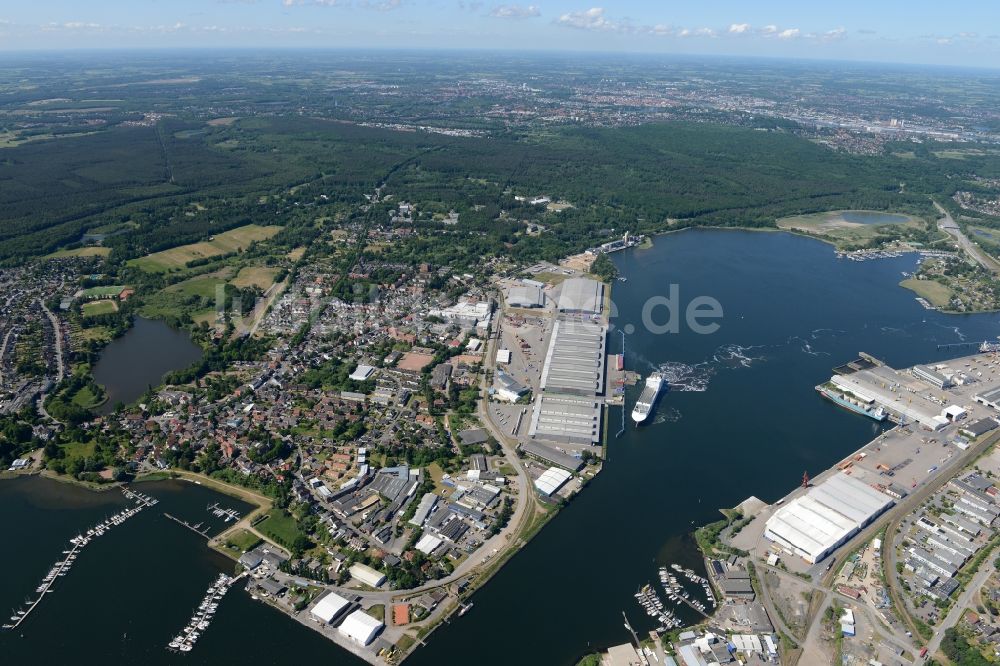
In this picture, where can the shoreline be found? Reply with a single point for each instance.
(814, 237)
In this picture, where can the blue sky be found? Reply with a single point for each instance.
(960, 32)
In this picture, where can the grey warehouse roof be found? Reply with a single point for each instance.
(581, 295)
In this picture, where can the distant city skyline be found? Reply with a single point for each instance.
(902, 32)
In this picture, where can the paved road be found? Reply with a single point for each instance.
(60, 371)
(948, 225)
(57, 332)
(3, 350)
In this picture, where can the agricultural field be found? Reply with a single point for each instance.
(223, 243)
(259, 276)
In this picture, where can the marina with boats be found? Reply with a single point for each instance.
(62, 567)
(203, 615)
(676, 593)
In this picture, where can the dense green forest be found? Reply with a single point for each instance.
(136, 185)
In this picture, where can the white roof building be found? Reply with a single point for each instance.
(503, 356)
(362, 372)
(329, 607)
(367, 575)
(428, 543)
(361, 627)
(815, 524)
(747, 643)
(551, 480)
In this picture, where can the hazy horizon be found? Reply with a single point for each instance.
(891, 32)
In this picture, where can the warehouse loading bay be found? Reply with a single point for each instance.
(903, 458)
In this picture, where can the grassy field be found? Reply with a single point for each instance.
(106, 291)
(186, 295)
(86, 398)
(260, 276)
(99, 308)
(832, 225)
(936, 293)
(551, 278)
(79, 450)
(437, 474)
(279, 526)
(242, 540)
(224, 243)
(89, 251)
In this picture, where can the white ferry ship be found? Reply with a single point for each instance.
(644, 405)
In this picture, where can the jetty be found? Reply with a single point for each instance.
(197, 529)
(77, 544)
(203, 614)
(227, 514)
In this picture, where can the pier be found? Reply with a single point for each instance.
(984, 346)
(77, 543)
(203, 614)
(621, 430)
(219, 512)
(197, 529)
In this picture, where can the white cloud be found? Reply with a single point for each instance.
(80, 25)
(834, 35)
(739, 28)
(696, 32)
(515, 11)
(591, 19)
(790, 33)
(769, 29)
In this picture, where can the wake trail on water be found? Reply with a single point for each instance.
(669, 415)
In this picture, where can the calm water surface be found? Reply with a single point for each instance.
(132, 363)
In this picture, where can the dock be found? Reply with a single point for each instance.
(203, 614)
(77, 543)
(219, 512)
(621, 430)
(197, 529)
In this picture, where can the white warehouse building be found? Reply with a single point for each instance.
(329, 608)
(817, 523)
(367, 575)
(361, 627)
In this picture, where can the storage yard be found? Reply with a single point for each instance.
(552, 345)
(934, 426)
